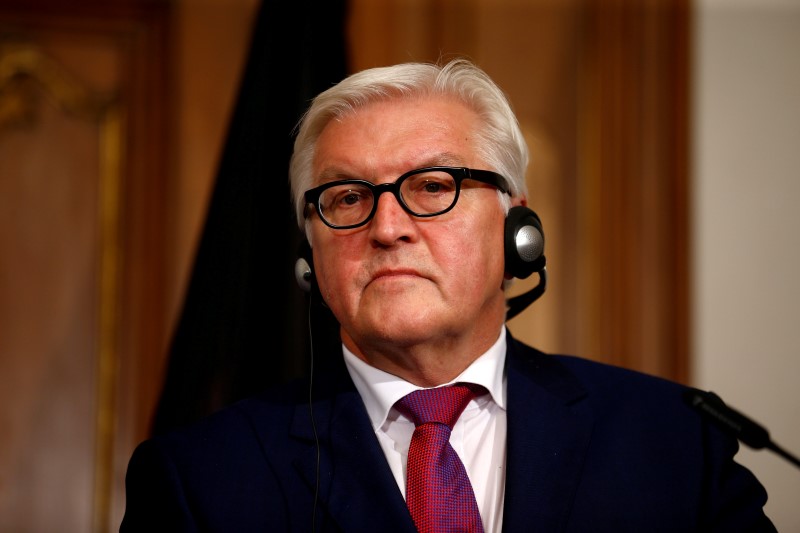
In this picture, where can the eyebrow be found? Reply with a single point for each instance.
(332, 174)
(443, 159)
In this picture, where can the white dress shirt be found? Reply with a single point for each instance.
(479, 435)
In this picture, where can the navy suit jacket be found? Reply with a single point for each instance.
(591, 448)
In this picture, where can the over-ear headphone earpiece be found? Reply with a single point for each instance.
(303, 274)
(524, 242)
(524, 255)
(304, 267)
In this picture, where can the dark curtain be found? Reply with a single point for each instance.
(244, 323)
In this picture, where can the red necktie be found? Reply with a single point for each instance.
(438, 492)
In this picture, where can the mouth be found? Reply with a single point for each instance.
(397, 276)
(395, 273)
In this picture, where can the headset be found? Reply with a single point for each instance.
(523, 251)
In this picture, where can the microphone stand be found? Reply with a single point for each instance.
(734, 423)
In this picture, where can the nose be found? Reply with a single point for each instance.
(391, 222)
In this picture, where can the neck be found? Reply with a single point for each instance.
(426, 364)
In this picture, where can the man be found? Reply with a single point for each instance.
(409, 183)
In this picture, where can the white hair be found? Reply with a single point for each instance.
(500, 141)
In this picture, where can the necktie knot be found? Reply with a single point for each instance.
(442, 404)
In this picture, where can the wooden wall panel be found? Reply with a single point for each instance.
(632, 195)
(81, 257)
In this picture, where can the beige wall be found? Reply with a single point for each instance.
(746, 223)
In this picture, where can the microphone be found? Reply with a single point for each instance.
(517, 304)
(734, 423)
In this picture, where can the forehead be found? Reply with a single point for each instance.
(396, 135)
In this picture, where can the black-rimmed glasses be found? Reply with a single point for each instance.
(424, 192)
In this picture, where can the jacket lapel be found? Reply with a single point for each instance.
(548, 436)
(356, 489)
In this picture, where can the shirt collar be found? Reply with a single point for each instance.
(380, 390)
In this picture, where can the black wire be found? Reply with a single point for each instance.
(311, 414)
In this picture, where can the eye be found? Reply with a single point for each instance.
(432, 187)
(350, 198)
(428, 193)
(430, 183)
(347, 196)
(345, 203)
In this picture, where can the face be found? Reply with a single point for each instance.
(401, 281)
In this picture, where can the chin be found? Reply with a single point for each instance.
(406, 320)
(401, 335)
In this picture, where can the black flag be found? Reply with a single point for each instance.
(243, 325)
